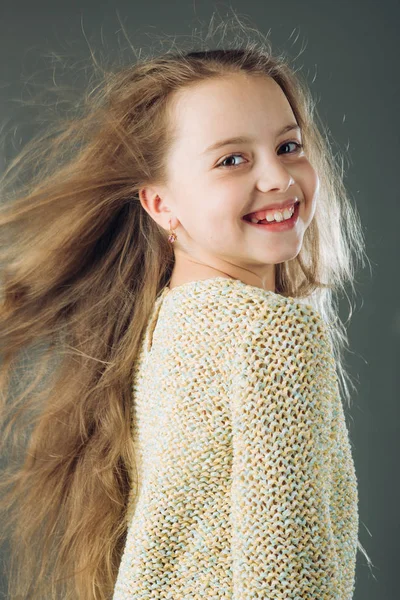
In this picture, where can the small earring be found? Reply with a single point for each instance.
(172, 235)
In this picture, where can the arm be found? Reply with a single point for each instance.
(344, 500)
(283, 544)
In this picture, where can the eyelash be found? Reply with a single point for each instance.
(299, 147)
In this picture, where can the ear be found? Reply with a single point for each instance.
(153, 202)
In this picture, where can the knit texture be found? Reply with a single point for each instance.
(247, 486)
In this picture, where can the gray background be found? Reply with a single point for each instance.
(348, 52)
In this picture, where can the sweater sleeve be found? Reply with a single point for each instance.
(344, 501)
(283, 544)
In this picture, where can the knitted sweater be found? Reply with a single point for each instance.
(247, 486)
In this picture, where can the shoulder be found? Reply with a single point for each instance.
(285, 339)
(217, 295)
(236, 308)
(243, 327)
(230, 294)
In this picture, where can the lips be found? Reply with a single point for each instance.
(276, 226)
(261, 213)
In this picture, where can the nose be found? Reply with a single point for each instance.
(274, 176)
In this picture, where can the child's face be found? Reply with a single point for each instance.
(209, 201)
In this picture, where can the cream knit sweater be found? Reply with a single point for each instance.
(247, 486)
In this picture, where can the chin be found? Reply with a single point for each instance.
(283, 257)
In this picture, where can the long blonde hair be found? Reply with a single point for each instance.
(81, 265)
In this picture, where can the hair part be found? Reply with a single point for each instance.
(81, 265)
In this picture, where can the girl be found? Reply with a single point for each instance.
(172, 262)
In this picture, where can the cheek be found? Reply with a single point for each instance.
(228, 203)
(310, 185)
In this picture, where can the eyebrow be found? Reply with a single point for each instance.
(244, 139)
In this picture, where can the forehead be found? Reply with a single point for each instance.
(234, 105)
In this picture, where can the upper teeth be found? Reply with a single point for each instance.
(277, 215)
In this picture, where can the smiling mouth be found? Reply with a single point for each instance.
(283, 225)
(291, 209)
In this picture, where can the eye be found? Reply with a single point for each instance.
(228, 166)
(299, 147)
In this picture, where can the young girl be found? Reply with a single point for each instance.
(172, 262)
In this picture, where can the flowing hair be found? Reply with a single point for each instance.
(81, 264)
